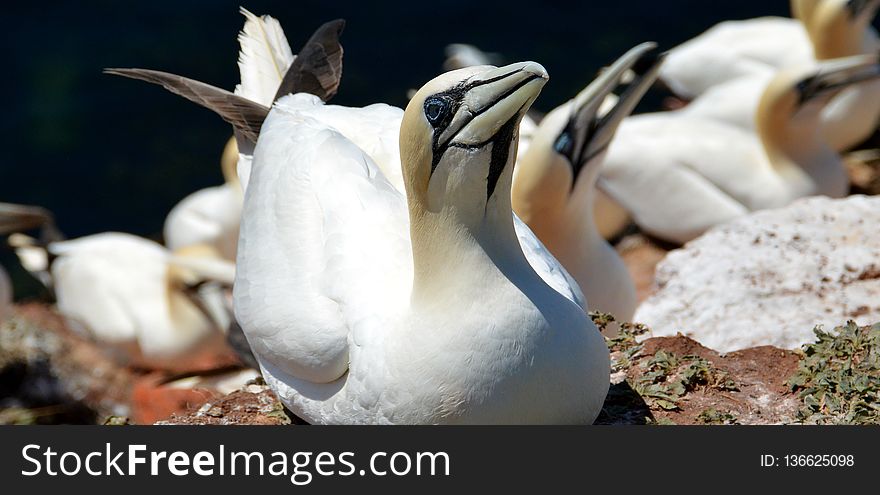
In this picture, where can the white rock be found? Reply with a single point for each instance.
(770, 277)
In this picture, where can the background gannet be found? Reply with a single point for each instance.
(839, 29)
(554, 186)
(154, 308)
(353, 323)
(680, 175)
(843, 28)
(735, 49)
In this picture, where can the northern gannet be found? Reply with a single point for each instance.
(150, 306)
(755, 47)
(554, 185)
(839, 29)
(854, 115)
(734, 49)
(367, 306)
(680, 175)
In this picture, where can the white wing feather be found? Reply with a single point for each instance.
(264, 58)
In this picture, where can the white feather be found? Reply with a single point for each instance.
(264, 58)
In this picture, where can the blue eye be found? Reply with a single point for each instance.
(564, 144)
(435, 110)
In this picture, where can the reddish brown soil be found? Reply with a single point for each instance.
(253, 405)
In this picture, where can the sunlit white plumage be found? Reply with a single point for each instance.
(679, 175)
(354, 322)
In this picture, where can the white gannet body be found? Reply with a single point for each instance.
(375, 129)
(554, 188)
(680, 175)
(131, 295)
(365, 305)
(839, 29)
(735, 49)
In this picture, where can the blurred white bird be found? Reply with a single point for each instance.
(735, 49)
(554, 184)
(839, 29)
(152, 307)
(679, 175)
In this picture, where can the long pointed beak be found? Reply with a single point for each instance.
(588, 133)
(491, 99)
(18, 218)
(836, 75)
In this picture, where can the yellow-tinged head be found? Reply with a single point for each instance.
(790, 108)
(837, 28)
(459, 135)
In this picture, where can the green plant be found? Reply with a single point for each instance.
(838, 378)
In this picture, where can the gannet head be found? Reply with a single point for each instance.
(459, 136)
(837, 27)
(791, 106)
(568, 147)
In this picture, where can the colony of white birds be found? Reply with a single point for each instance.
(389, 265)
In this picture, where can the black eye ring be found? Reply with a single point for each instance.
(435, 109)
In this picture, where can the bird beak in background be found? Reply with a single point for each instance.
(836, 75)
(588, 133)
